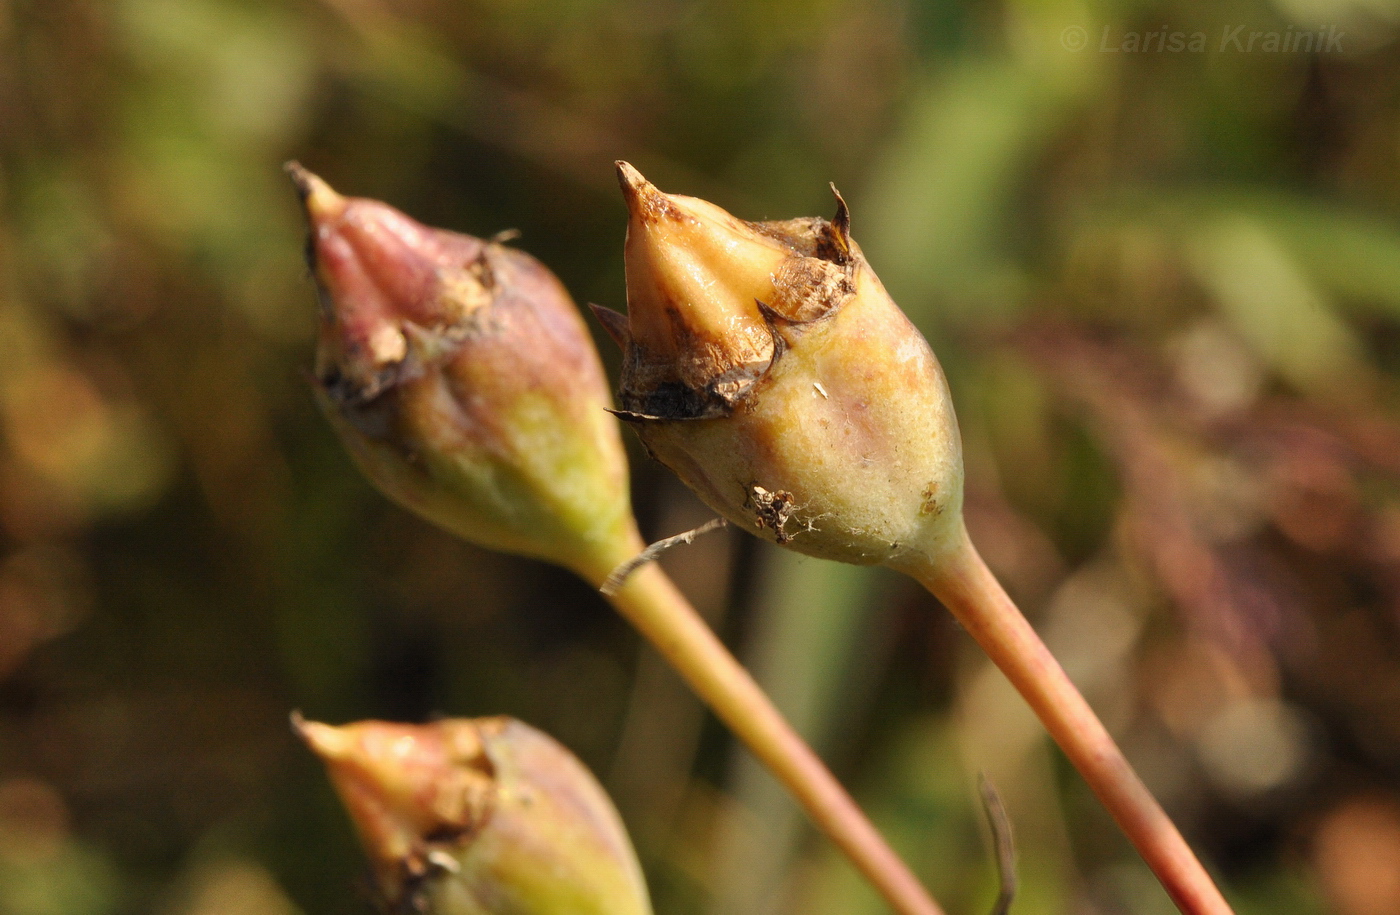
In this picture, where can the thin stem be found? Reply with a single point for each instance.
(961, 580)
(1003, 842)
(662, 614)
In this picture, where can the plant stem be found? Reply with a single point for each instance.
(961, 580)
(662, 614)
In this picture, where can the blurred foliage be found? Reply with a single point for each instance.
(1166, 287)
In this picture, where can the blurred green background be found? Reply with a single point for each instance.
(1165, 285)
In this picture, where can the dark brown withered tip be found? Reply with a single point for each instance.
(301, 178)
(615, 323)
(318, 199)
(643, 199)
(841, 224)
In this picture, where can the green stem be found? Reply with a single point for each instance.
(961, 580)
(662, 614)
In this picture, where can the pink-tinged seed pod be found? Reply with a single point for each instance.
(768, 367)
(466, 387)
(484, 816)
(464, 382)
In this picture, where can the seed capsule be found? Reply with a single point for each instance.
(768, 367)
(482, 816)
(464, 382)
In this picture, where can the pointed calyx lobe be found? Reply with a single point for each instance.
(396, 295)
(711, 296)
(410, 790)
(766, 365)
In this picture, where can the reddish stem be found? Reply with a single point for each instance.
(961, 580)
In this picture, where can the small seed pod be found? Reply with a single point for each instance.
(482, 816)
(464, 382)
(768, 367)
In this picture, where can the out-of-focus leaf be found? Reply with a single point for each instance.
(1274, 306)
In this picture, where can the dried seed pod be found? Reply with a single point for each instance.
(836, 436)
(467, 389)
(768, 367)
(464, 382)
(482, 816)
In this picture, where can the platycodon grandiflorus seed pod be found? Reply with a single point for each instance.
(464, 382)
(767, 366)
(484, 816)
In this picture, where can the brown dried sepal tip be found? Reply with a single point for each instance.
(414, 792)
(684, 362)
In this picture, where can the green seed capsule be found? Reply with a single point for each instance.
(464, 383)
(768, 367)
(482, 816)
